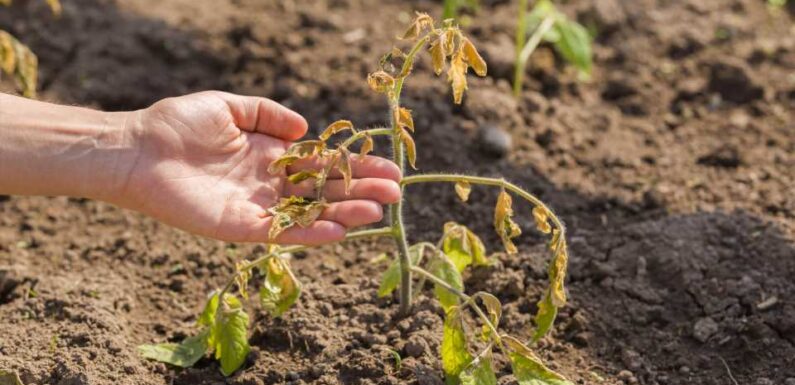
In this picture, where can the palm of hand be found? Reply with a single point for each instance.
(203, 168)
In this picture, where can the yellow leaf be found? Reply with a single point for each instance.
(345, 168)
(541, 216)
(405, 120)
(367, 146)
(294, 211)
(505, 226)
(457, 75)
(336, 127)
(438, 57)
(448, 40)
(411, 149)
(297, 151)
(557, 277)
(242, 277)
(420, 22)
(55, 7)
(463, 188)
(380, 82)
(473, 58)
(27, 70)
(302, 176)
(8, 56)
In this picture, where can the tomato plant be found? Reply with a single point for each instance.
(223, 323)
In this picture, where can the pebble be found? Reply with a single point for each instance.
(704, 328)
(494, 140)
(415, 347)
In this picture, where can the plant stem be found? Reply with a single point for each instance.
(527, 50)
(449, 9)
(361, 134)
(425, 178)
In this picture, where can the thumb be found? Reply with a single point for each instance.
(265, 116)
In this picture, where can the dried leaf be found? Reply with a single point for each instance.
(528, 368)
(381, 82)
(420, 22)
(557, 276)
(455, 356)
(541, 216)
(411, 149)
(281, 289)
(447, 39)
(336, 127)
(438, 58)
(367, 146)
(463, 188)
(404, 119)
(473, 58)
(412, 32)
(505, 226)
(8, 56)
(300, 150)
(55, 7)
(294, 210)
(242, 277)
(302, 176)
(27, 70)
(457, 76)
(345, 168)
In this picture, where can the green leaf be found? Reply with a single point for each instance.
(9, 378)
(545, 316)
(528, 368)
(445, 270)
(479, 372)
(455, 356)
(207, 318)
(231, 337)
(281, 289)
(574, 44)
(391, 278)
(184, 354)
(463, 247)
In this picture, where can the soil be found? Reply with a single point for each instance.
(673, 168)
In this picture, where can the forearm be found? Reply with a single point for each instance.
(47, 149)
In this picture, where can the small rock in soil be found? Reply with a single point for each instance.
(494, 141)
(725, 157)
(415, 347)
(732, 79)
(704, 328)
(9, 280)
(631, 359)
(626, 376)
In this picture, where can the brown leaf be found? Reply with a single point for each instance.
(541, 216)
(294, 210)
(457, 75)
(300, 150)
(345, 168)
(473, 58)
(463, 188)
(380, 82)
(505, 226)
(438, 57)
(405, 120)
(336, 127)
(411, 150)
(448, 40)
(367, 146)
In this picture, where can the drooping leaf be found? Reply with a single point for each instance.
(411, 148)
(527, 366)
(380, 82)
(455, 355)
(444, 269)
(438, 58)
(574, 44)
(448, 39)
(545, 317)
(479, 372)
(299, 150)
(473, 58)
(557, 275)
(231, 335)
(242, 277)
(463, 247)
(207, 317)
(463, 188)
(420, 22)
(541, 216)
(457, 76)
(281, 289)
(345, 168)
(405, 119)
(336, 127)
(302, 176)
(390, 280)
(503, 222)
(367, 146)
(8, 377)
(294, 211)
(493, 307)
(184, 354)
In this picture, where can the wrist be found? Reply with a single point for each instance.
(116, 151)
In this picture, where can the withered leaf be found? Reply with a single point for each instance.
(448, 40)
(557, 276)
(367, 146)
(528, 367)
(405, 120)
(463, 188)
(280, 289)
(294, 210)
(300, 150)
(27, 70)
(420, 22)
(473, 58)
(463, 247)
(336, 127)
(345, 168)
(8, 56)
(411, 149)
(302, 176)
(55, 7)
(541, 216)
(457, 76)
(504, 224)
(380, 82)
(438, 58)
(242, 277)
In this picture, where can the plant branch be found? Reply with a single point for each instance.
(361, 134)
(409, 62)
(527, 50)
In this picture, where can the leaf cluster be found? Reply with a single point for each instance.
(570, 38)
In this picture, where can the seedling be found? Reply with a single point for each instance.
(18, 60)
(224, 321)
(569, 38)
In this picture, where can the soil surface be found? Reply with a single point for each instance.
(673, 168)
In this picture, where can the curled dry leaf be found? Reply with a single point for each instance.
(438, 58)
(463, 246)
(280, 289)
(8, 56)
(411, 148)
(503, 222)
(300, 150)
(541, 216)
(404, 119)
(294, 210)
(345, 168)
(557, 276)
(420, 22)
(367, 147)
(242, 277)
(457, 76)
(473, 58)
(336, 127)
(380, 82)
(463, 188)
(302, 176)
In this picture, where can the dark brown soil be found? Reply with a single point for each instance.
(673, 167)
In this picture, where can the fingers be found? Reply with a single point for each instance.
(265, 116)
(353, 213)
(367, 167)
(383, 191)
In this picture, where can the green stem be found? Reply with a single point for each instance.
(527, 50)
(521, 32)
(449, 9)
(426, 178)
(361, 134)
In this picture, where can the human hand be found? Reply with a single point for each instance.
(202, 166)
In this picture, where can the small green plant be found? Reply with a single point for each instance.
(224, 321)
(569, 38)
(18, 60)
(451, 7)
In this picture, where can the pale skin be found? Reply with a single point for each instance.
(197, 162)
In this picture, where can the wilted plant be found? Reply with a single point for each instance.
(569, 38)
(224, 321)
(18, 60)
